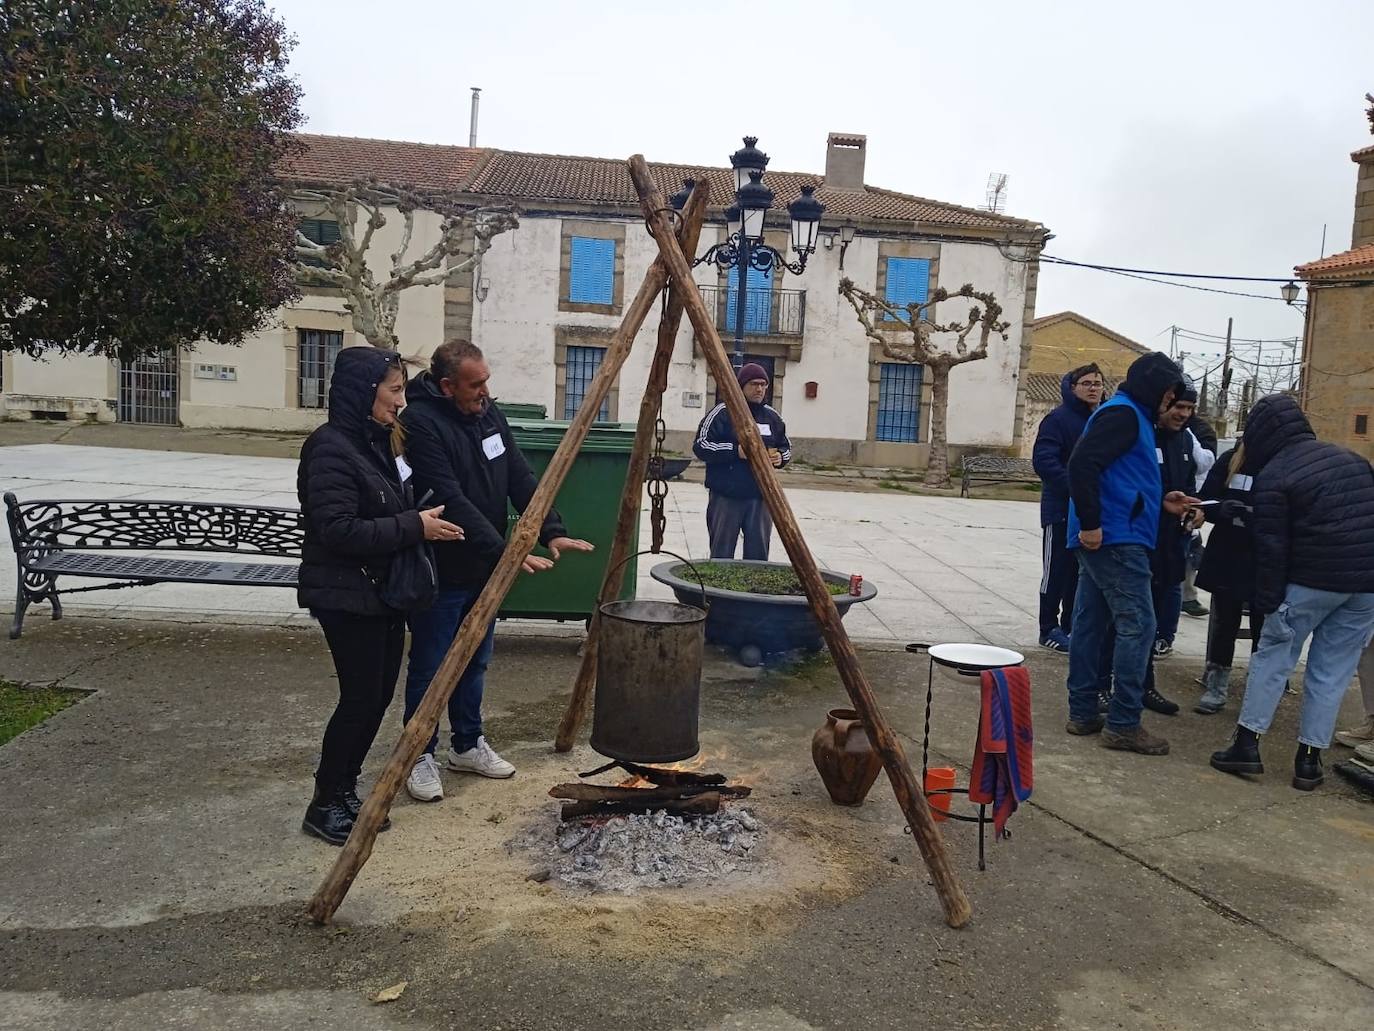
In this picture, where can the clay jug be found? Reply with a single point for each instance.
(845, 758)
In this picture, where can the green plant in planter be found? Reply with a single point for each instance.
(751, 579)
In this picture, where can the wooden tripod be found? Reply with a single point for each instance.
(671, 266)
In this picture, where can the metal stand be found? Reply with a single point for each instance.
(966, 665)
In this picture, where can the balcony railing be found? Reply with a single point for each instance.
(766, 312)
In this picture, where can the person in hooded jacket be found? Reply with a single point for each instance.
(734, 504)
(1227, 572)
(1081, 390)
(460, 446)
(1314, 565)
(1116, 495)
(358, 513)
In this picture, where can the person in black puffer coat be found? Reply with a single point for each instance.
(1227, 572)
(358, 513)
(1314, 562)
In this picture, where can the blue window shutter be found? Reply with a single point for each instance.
(899, 402)
(592, 277)
(758, 305)
(908, 281)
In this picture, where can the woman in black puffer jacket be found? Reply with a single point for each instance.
(1228, 572)
(358, 514)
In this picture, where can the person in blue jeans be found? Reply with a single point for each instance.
(1081, 390)
(459, 446)
(1313, 526)
(1116, 495)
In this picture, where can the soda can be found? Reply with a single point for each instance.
(856, 584)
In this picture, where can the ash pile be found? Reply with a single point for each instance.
(652, 850)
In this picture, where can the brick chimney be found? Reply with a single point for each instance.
(1363, 231)
(844, 161)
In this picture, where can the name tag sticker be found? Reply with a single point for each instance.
(493, 447)
(1241, 482)
(403, 467)
(1159, 455)
(765, 430)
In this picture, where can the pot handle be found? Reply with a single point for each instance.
(842, 729)
(705, 605)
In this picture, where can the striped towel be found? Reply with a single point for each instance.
(1002, 761)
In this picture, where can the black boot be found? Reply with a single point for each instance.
(1156, 702)
(1307, 768)
(353, 804)
(327, 816)
(1243, 756)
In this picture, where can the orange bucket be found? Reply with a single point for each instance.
(939, 779)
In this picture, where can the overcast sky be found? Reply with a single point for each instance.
(1205, 136)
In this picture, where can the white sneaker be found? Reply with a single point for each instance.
(1365, 752)
(1359, 735)
(423, 783)
(481, 760)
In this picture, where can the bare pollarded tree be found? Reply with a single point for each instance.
(908, 336)
(465, 234)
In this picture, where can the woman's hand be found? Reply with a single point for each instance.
(561, 544)
(437, 529)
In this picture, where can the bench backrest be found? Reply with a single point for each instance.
(72, 525)
(1002, 464)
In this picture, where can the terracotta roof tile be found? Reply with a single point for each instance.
(557, 177)
(340, 160)
(1083, 320)
(1360, 259)
(525, 178)
(1044, 387)
(1363, 153)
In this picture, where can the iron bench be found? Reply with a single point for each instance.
(53, 538)
(994, 469)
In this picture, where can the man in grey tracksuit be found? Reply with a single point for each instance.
(735, 505)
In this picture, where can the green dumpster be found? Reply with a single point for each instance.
(521, 410)
(589, 502)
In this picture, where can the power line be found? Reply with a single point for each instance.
(1164, 282)
(1155, 272)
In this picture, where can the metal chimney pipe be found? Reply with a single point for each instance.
(472, 127)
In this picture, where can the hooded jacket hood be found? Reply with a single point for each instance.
(1149, 377)
(1071, 400)
(1273, 424)
(353, 387)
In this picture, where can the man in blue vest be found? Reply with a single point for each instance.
(1116, 495)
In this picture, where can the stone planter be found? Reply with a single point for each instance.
(758, 626)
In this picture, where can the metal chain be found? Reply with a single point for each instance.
(658, 486)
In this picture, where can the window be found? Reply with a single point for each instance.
(322, 231)
(592, 277)
(582, 363)
(1362, 425)
(316, 350)
(899, 402)
(758, 300)
(908, 282)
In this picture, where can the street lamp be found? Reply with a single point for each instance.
(743, 248)
(1289, 292)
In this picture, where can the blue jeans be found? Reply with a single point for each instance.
(431, 633)
(1113, 588)
(1340, 626)
(1168, 603)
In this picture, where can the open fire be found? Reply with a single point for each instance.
(677, 792)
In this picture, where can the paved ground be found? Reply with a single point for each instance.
(946, 568)
(152, 874)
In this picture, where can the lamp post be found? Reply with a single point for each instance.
(1289, 292)
(743, 248)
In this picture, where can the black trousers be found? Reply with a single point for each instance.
(727, 518)
(367, 653)
(1224, 624)
(1058, 579)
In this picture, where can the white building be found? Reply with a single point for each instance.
(547, 297)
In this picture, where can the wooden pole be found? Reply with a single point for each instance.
(417, 732)
(910, 795)
(623, 543)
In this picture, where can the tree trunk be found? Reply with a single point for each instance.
(937, 461)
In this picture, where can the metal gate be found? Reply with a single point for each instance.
(148, 389)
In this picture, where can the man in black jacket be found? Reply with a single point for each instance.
(1314, 561)
(1081, 391)
(460, 447)
(734, 504)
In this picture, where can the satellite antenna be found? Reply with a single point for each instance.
(996, 193)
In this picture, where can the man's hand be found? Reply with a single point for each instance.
(1195, 518)
(536, 563)
(561, 544)
(1176, 502)
(1090, 539)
